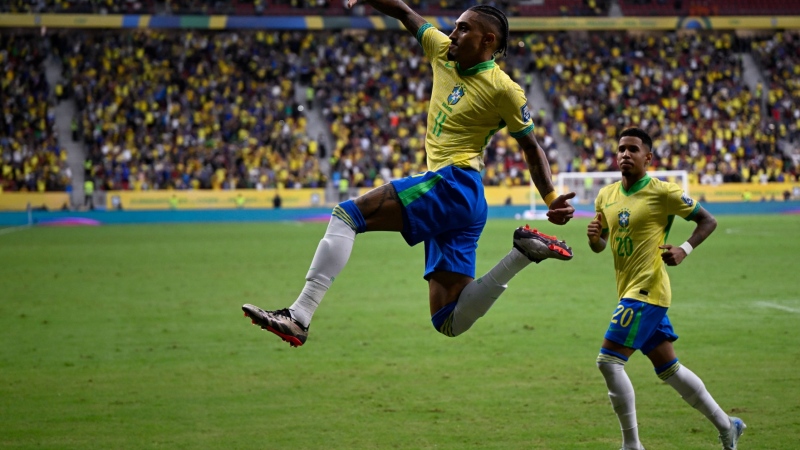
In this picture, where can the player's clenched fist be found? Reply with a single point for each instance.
(595, 228)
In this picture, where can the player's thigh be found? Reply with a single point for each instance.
(618, 348)
(381, 209)
(445, 288)
(439, 202)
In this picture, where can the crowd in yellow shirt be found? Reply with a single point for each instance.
(30, 157)
(186, 110)
(219, 110)
(686, 89)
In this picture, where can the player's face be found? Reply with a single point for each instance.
(633, 157)
(467, 41)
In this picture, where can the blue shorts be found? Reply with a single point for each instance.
(447, 211)
(640, 326)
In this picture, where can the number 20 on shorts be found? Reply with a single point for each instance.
(622, 316)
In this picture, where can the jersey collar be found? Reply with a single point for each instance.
(477, 68)
(638, 186)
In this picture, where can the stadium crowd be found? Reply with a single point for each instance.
(294, 7)
(30, 157)
(216, 110)
(687, 90)
(189, 110)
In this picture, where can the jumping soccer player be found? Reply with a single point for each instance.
(445, 207)
(635, 215)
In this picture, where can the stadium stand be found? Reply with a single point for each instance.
(212, 110)
(191, 110)
(685, 89)
(78, 6)
(30, 157)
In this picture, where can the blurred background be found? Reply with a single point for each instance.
(274, 104)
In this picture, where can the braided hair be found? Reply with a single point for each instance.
(502, 21)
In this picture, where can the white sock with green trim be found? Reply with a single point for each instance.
(694, 392)
(623, 400)
(478, 296)
(330, 258)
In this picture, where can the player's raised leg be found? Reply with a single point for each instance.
(377, 210)
(330, 258)
(453, 318)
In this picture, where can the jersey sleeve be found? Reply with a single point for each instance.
(679, 203)
(433, 42)
(598, 207)
(514, 110)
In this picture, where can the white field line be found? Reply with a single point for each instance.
(779, 307)
(748, 232)
(13, 229)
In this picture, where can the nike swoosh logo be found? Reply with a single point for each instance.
(448, 65)
(609, 204)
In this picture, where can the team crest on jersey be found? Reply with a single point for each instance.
(686, 199)
(624, 218)
(526, 113)
(456, 95)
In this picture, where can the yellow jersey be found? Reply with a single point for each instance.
(638, 221)
(468, 106)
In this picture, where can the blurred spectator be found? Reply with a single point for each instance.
(192, 110)
(685, 89)
(30, 157)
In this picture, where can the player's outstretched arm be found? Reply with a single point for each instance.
(706, 224)
(397, 9)
(560, 211)
(597, 238)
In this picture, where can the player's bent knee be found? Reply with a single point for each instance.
(349, 213)
(610, 361)
(443, 320)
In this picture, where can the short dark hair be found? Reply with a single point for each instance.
(639, 133)
(502, 21)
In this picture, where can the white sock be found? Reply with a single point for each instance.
(330, 258)
(478, 296)
(693, 391)
(623, 400)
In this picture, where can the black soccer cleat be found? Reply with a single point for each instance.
(278, 322)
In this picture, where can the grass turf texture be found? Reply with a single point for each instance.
(132, 337)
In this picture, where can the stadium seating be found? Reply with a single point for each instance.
(686, 90)
(30, 157)
(190, 110)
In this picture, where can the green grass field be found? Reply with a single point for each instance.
(127, 337)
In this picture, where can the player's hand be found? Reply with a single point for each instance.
(595, 229)
(560, 210)
(672, 256)
(351, 3)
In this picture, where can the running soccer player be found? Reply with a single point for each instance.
(445, 207)
(635, 215)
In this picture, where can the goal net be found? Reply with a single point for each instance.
(586, 186)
